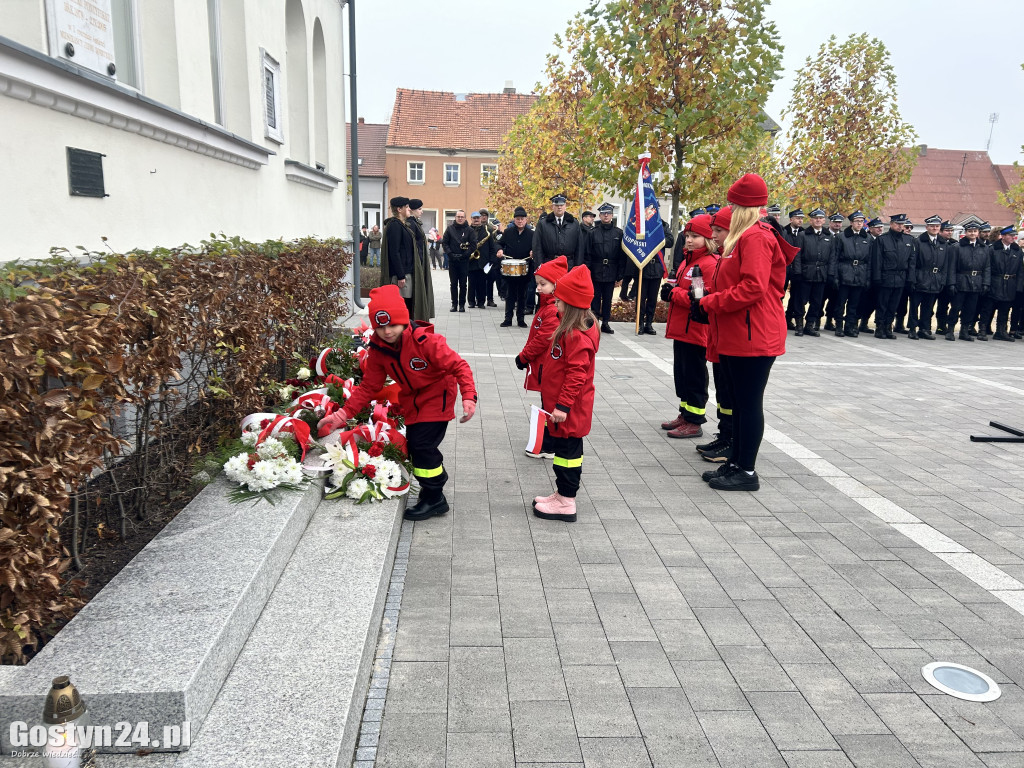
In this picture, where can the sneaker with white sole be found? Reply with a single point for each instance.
(540, 455)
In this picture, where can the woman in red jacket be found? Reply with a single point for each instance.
(428, 372)
(541, 330)
(747, 317)
(690, 338)
(566, 376)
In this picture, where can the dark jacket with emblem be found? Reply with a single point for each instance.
(551, 241)
(427, 370)
(458, 241)
(973, 267)
(851, 259)
(811, 264)
(603, 254)
(566, 376)
(1007, 271)
(891, 253)
(930, 271)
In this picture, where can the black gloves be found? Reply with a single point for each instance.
(697, 314)
(520, 364)
(666, 292)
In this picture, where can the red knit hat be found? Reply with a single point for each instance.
(723, 218)
(577, 288)
(701, 225)
(749, 191)
(387, 307)
(553, 270)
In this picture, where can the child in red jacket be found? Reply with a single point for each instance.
(689, 338)
(566, 376)
(428, 372)
(541, 330)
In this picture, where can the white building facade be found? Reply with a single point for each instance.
(158, 122)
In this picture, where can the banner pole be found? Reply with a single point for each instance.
(639, 296)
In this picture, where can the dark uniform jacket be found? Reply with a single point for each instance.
(931, 270)
(400, 250)
(891, 253)
(793, 238)
(851, 260)
(459, 241)
(551, 240)
(1007, 271)
(653, 268)
(973, 267)
(485, 249)
(811, 264)
(603, 254)
(517, 245)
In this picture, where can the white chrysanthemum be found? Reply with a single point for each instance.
(249, 439)
(235, 468)
(263, 476)
(357, 488)
(303, 373)
(286, 392)
(289, 471)
(271, 448)
(338, 477)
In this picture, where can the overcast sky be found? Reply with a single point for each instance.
(956, 62)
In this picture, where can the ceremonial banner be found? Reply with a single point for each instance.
(537, 423)
(644, 234)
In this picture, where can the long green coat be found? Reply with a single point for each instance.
(422, 283)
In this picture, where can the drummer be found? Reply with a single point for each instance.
(517, 266)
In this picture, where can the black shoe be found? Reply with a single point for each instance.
(735, 481)
(491, 303)
(912, 334)
(982, 336)
(726, 469)
(800, 329)
(424, 509)
(605, 328)
(714, 445)
(864, 328)
(901, 329)
(888, 333)
(1002, 336)
(522, 323)
(723, 454)
(926, 335)
(454, 309)
(1018, 335)
(462, 309)
(964, 336)
(839, 332)
(830, 325)
(810, 330)
(879, 333)
(649, 330)
(972, 332)
(950, 336)
(506, 324)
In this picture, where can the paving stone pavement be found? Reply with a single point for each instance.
(674, 625)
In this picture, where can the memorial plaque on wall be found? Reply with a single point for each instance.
(82, 31)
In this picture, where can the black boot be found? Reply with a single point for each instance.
(649, 330)
(864, 327)
(801, 327)
(830, 324)
(879, 332)
(964, 336)
(425, 508)
(520, 321)
(605, 328)
(811, 329)
(888, 332)
(850, 330)
(950, 336)
(506, 323)
(454, 308)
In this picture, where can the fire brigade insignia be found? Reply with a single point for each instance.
(382, 318)
(418, 364)
(556, 351)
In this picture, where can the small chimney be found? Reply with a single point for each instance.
(922, 150)
(509, 88)
(362, 121)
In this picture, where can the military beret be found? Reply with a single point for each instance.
(558, 199)
(936, 219)
(415, 203)
(606, 208)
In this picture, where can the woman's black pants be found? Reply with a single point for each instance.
(747, 377)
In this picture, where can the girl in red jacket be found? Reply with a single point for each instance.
(689, 338)
(428, 372)
(566, 376)
(747, 317)
(539, 341)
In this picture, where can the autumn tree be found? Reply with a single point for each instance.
(847, 141)
(546, 150)
(675, 79)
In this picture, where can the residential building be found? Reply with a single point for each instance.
(373, 173)
(442, 146)
(153, 123)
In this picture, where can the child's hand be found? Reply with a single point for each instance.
(558, 416)
(468, 409)
(328, 424)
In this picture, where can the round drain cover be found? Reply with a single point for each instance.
(960, 681)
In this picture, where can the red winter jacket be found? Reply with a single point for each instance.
(680, 327)
(537, 343)
(424, 367)
(566, 376)
(744, 307)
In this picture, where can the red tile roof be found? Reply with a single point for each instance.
(445, 120)
(954, 184)
(371, 148)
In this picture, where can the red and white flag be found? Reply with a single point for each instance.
(537, 424)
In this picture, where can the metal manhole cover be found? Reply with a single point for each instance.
(960, 681)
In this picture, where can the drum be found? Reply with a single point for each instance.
(514, 268)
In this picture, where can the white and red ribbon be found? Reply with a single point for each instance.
(321, 361)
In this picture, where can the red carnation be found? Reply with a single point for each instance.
(376, 449)
(370, 471)
(253, 458)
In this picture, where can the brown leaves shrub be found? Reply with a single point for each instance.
(625, 312)
(98, 358)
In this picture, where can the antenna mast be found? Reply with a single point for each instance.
(992, 119)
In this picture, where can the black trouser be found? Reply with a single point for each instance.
(992, 308)
(848, 305)
(1017, 318)
(868, 304)
(624, 294)
(457, 271)
(964, 308)
(490, 279)
(690, 371)
(748, 377)
(568, 464)
(515, 297)
(888, 300)
(423, 439)
(723, 394)
(794, 298)
(602, 304)
(901, 308)
(477, 287)
(942, 310)
(831, 303)
(649, 299)
(811, 297)
(922, 305)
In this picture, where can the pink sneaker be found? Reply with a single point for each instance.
(544, 499)
(559, 508)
